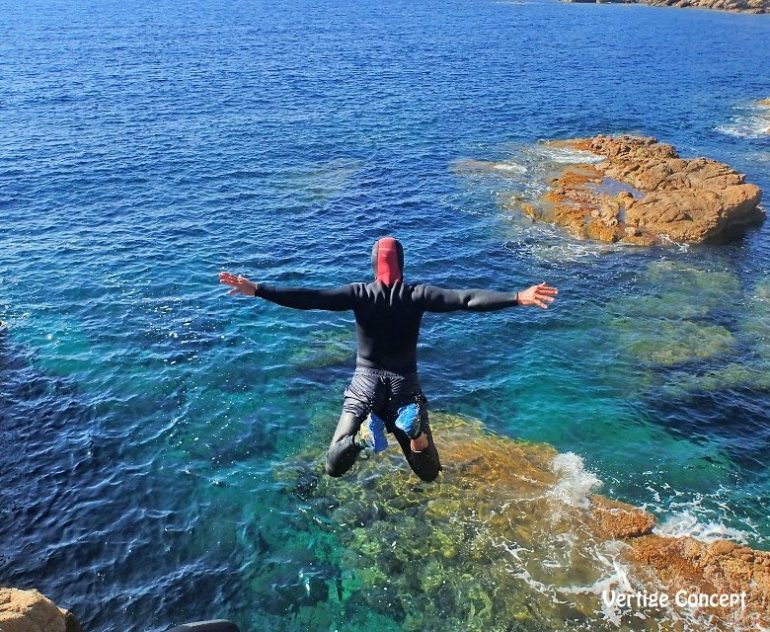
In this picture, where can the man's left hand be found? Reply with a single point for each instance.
(240, 284)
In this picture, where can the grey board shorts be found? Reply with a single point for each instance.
(382, 392)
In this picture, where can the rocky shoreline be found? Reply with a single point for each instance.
(735, 6)
(687, 565)
(500, 508)
(643, 193)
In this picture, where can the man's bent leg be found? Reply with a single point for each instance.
(425, 463)
(343, 449)
(360, 395)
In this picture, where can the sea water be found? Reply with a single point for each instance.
(146, 146)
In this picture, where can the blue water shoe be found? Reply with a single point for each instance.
(409, 420)
(372, 434)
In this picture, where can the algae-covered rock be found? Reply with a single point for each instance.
(755, 323)
(511, 537)
(315, 183)
(712, 287)
(762, 289)
(416, 548)
(667, 322)
(325, 348)
(677, 290)
(670, 343)
(670, 322)
(751, 370)
(499, 543)
(735, 375)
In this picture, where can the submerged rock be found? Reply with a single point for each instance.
(755, 322)
(323, 349)
(673, 342)
(644, 194)
(669, 321)
(687, 296)
(30, 611)
(765, 104)
(511, 537)
(732, 376)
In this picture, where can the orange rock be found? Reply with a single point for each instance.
(599, 231)
(619, 520)
(722, 567)
(734, 6)
(675, 200)
(529, 210)
(29, 611)
(577, 177)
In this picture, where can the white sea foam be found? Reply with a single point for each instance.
(705, 518)
(565, 250)
(752, 121)
(682, 247)
(687, 523)
(616, 577)
(567, 156)
(575, 482)
(512, 167)
(747, 128)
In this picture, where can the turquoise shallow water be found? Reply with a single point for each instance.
(144, 149)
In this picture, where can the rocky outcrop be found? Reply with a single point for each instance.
(742, 6)
(643, 193)
(29, 611)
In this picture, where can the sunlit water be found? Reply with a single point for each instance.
(146, 146)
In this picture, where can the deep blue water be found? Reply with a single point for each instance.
(146, 146)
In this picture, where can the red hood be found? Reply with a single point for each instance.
(388, 261)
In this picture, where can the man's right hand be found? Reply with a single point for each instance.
(240, 284)
(539, 295)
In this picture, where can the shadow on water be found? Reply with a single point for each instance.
(737, 419)
(81, 522)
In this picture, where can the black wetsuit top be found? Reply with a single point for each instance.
(388, 317)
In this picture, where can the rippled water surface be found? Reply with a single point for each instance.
(145, 146)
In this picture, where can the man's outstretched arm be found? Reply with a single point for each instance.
(336, 299)
(436, 299)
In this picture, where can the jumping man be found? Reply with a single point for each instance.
(385, 393)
